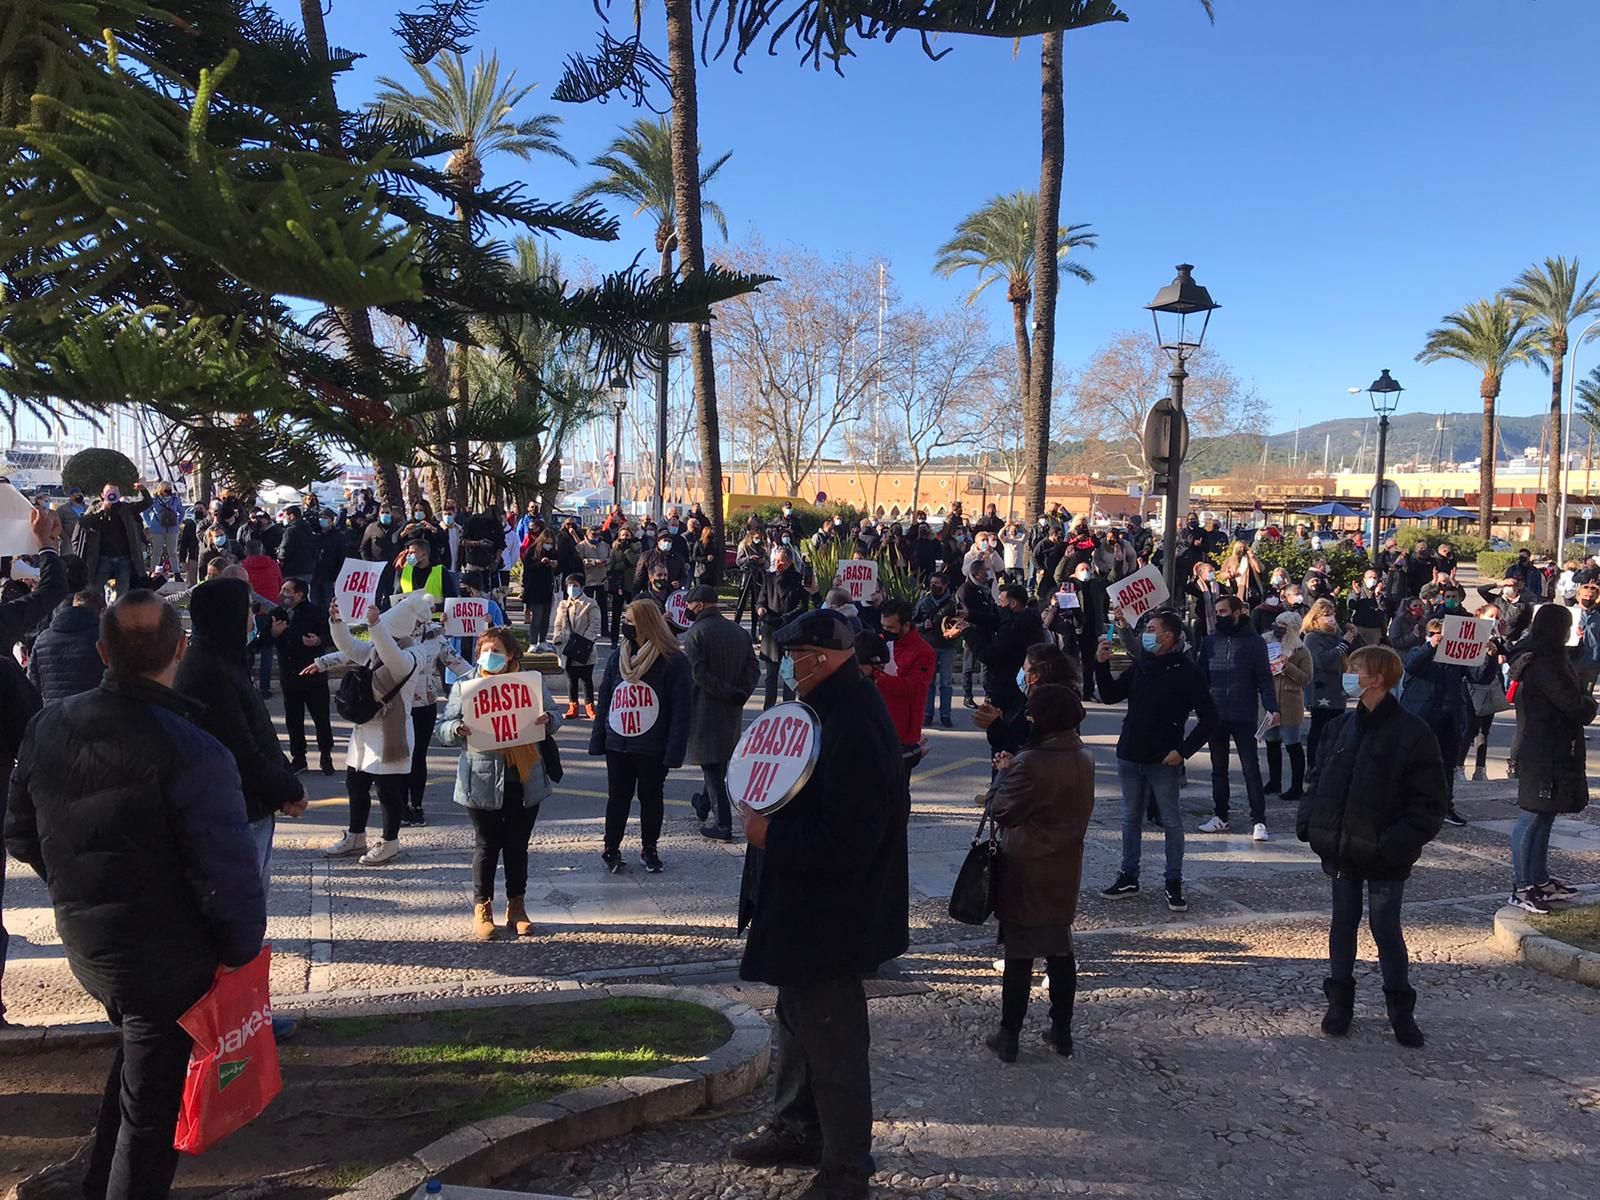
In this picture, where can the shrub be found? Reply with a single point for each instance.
(807, 518)
(1493, 564)
(92, 469)
(1343, 565)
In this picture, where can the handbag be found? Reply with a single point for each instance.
(977, 883)
(1488, 698)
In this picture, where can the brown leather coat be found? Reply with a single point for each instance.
(1042, 804)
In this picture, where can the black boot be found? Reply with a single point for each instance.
(1402, 1005)
(1341, 994)
(1297, 771)
(1274, 783)
(1004, 1043)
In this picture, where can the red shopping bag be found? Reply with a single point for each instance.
(233, 1068)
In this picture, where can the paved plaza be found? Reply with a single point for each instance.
(1199, 1069)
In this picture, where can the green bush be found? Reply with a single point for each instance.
(1493, 564)
(91, 470)
(807, 518)
(1343, 565)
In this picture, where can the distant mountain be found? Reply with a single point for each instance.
(1410, 435)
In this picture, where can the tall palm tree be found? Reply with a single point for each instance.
(1551, 299)
(997, 241)
(640, 168)
(1491, 335)
(478, 111)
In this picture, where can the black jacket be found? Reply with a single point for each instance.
(295, 656)
(229, 708)
(65, 658)
(1161, 691)
(134, 818)
(828, 897)
(27, 613)
(785, 597)
(1009, 647)
(333, 547)
(1552, 709)
(1376, 793)
(300, 548)
(18, 704)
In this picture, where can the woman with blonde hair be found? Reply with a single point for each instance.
(1293, 674)
(1320, 631)
(1243, 575)
(500, 789)
(641, 727)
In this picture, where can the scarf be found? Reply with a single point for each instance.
(635, 664)
(523, 759)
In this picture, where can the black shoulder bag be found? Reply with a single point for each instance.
(972, 898)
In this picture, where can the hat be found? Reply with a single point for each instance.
(702, 593)
(826, 629)
(1430, 591)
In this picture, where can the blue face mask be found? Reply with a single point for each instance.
(786, 671)
(327, 523)
(222, 539)
(492, 661)
(1352, 685)
(1022, 680)
(386, 519)
(1148, 641)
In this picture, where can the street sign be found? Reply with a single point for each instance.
(1385, 504)
(1157, 437)
(977, 485)
(1588, 512)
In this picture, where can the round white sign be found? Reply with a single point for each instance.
(675, 607)
(775, 757)
(634, 709)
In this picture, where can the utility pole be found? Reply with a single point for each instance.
(877, 403)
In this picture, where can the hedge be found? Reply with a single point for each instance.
(90, 470)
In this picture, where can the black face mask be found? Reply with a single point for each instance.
(631, 636)
(1227, 624)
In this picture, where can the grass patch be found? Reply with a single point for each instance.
(1578, 927)
(347, 1175)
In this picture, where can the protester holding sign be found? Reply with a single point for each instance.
(579, 622)
(1436, 691)
(501, 789)
(641, 727)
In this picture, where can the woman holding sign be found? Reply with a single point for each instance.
(500, 789)
(641, 727)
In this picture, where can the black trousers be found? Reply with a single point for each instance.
(823, 1087)
(716, 779)
(1383, 919)
(1016, 986)
(132, 1156)
(1244, 740)
(502, 834)
(423, 718)
(774, 681)
(1480, 733)
(1319, 721)
(392, 793)
(601, 597)
(580, 674)
(625, 775)
(297, 702)
(749, 597)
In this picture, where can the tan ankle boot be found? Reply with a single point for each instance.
(517, 918)
(572, 711)
(483, 921)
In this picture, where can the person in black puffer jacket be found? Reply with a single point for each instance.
(1437, 692)
(213, 674)
(65, 659)
(1375, 798)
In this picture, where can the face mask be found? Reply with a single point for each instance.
(222, 539)
(1080, 576)
(416, 514)
(449, 518)
(1352, 686)
(1022, 680)
(786, 539)
(1452, 604)
(326, 523)
(664, 545)
(786, 672)
(787, 511)
(631, 636)
(672, 529)
(574, 591)
(658, 585)
(1148, 641)
(386, 519)
(411, 560)
(492, 661)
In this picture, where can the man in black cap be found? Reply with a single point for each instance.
(825, 898)
(722, 668)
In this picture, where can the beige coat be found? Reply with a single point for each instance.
(1291, 683)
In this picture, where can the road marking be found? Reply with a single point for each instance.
(960, 764)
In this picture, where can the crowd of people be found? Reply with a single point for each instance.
(1365, 732)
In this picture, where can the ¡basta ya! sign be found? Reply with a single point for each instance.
(503, 710)
(775, 757)
(859, 577)
(634, 710)
(357, 588)
(1139, 593)
(465, 616)
(1463, 641)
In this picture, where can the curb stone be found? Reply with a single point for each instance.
(1515, 936)
(484, 1151)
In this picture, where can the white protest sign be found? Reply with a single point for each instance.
(465, 616)
(1139, 593)
(775, 757)
(503, 710)
(1067, 600)
(635, 707)
(1463, 641)
(859, 577)
(357, 589)
(16, 535)
(1275, 657)
(676, 612)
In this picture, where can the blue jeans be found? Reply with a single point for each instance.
(1163, 781)
(1530, 848)
(1383, 921)
(942, 686)
(119, 567)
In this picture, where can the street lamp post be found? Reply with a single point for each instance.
(1171, 311)
(662, 379)
(619, 398)
(1385, 395)
(1566, 435)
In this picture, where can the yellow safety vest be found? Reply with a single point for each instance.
(434, 586)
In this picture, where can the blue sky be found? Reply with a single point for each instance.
(1342, 174)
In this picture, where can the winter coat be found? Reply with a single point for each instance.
(596, 557)
(65, 659)
(1291, 688)
(481, 774)
(676, 565)
(87, 536)
(266, 577)
(623, 565)
(383, 745)
(1240, 677)
(29, 612)
(1437, 692)
(1376, 793)
(828, 898)
(1327, 652)
(784, 596)
(905, 693)
(304, 618)
(1407, 632)
(723, 674)
(668, 738)
(134, 818)
(1042, 804)
(1552, 710)
(929, 618)
(19, 701)
(300, 549)
(1161, 691)
(581, 617)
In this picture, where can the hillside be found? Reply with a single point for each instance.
(1409, 434)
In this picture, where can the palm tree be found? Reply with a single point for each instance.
(640, 169)
(1551, 299)
(1490, 335)
(478, 113)
(997, 241)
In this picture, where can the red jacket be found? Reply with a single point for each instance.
(905, 693)
(266, 577)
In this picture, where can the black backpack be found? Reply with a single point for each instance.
(355, 700)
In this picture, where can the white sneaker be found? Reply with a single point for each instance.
(350, 843)
(1259, 833)
(381, 852)
(1214, 825)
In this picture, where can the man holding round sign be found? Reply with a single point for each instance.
(824, 898)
